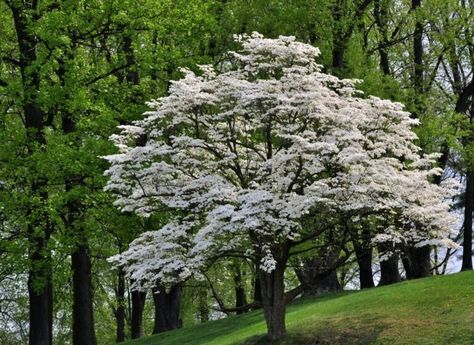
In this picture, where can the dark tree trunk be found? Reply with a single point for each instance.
(273, 301)
(338, 56)
(40, 302)
(167, 308)
(406, 261)
(418, 77)
(240, 296)
(423, 262)
(257, 289)
(138, 306)
(467, 225)
(389, 272)
(381, 17)
(339, 40)
(203, 306)
(40, 291)
(82, 309)
(83, 330)
(466, 100)
(132, 73)
(364, 261)
(323, 284)
(363, 250)
(120, 310)
(318, 275)
(417, 262)
(419, 259)
(344, 22)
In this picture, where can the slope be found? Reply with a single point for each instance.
(437, 310)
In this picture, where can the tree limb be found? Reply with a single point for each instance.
(107, 74)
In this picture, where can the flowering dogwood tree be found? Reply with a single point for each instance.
(241, 157)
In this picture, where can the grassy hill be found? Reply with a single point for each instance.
(437, 310)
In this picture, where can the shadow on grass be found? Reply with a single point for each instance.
(331, 334)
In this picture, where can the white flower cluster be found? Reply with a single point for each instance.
(252, 150)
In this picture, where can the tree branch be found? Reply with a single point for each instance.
(108, 74)
(463, 103)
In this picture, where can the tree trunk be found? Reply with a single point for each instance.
(317, 275)
(381, 18)
(240, 296)
(389, 273)
(417, 262)
(83, 330)
(203, 307)
(323, 284)
(418, 77)
(364, 261)
(120, 310)
(338, 56)
(40, 302)
(419, 258)
(273, 300)
(138, 306)
(422, 258)
(363, 250)
(167, 308)
(82, 309)
(257, 289)
(467, 225)
(339, 39)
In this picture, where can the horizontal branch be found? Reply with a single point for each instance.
(108, 74)
(289, 297)
(11, 60)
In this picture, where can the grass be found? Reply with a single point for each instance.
(437, 310)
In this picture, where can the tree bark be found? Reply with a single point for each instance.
(419, 259)
(465, 100)
(138, 305)
(418, 76)
(339, 41)
(467, 225)
(364, 261)
(380, 15)
(314, 274)
(417, 262)
(167, 308)
(240, 296)
(203, 306)
(363, 250)
(343, 28)
(40, 295)
(257, 289)
(273, 301)
(83, 332)
(389, 273)
(120, 310)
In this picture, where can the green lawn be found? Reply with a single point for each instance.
(438, 310)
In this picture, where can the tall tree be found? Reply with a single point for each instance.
(26, 17)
